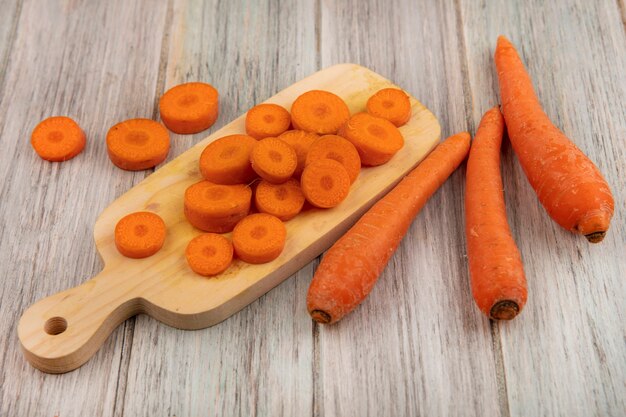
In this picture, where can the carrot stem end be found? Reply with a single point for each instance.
(320, 316)
(595, 237)
(504, 310)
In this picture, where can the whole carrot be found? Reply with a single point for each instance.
(352, 265)
(568, 184)
(496, 270)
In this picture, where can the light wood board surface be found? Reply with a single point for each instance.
(62, 331)
(417, 346)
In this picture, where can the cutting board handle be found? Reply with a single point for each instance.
(61, 332)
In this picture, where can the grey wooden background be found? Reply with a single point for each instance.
(418, 345)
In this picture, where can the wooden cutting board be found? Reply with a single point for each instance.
(61, 332)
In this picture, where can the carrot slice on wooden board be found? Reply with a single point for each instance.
(352, 265)
(319, 112)
(301, 142)
(227, 160)
(496, 270)
(568, 184)
(216, 208)
(274, 160)
(189, 108)
(138, 144)
(57, 139)
(337, 148)
(209, 254)
(140, 234)
(325, 183)
(267, 120)
(259, 238)
(390, 104)
(376, 139)
(284, 201)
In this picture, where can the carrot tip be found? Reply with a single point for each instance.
(504, 310)
(596, 237)
(320, 316)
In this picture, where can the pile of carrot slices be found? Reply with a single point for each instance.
(254, 182)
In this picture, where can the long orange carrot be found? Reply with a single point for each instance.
(351, 267)
(496, 270)
(568, 184)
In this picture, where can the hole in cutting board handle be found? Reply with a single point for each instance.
(55, 325)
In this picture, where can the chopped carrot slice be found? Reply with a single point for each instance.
(267, 120)
(300, 141)
(284, 201)
(138, 144)
(274, 160)
(390, 104)
(325, 183)
(320, 112)
(209, 254)
(140, 234)
(189, 108)
(376, 139)
(216, 208)
(259, 238)
(58, 139)
(337, 148)
(227, 160)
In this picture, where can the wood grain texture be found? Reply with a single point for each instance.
(258, 362)
(417, 345)
(86, 68)
(565, 354)
(11, 11)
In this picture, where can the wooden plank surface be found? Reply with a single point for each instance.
(565, 354)
(417, 346)
(258, 362)
(11, 11)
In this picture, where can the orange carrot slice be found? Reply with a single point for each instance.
(209, 254)
(325, 183)
(284, 201)
(337, 148)
(57, 139)
(274, 160)
(214, 207)
(376, 139)
(140, 234)
(227, 160)
(138, 144)
(300, 141)
(267, 120)
(189, 108)
(259, 238)
(390, 104)
(319, 111)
